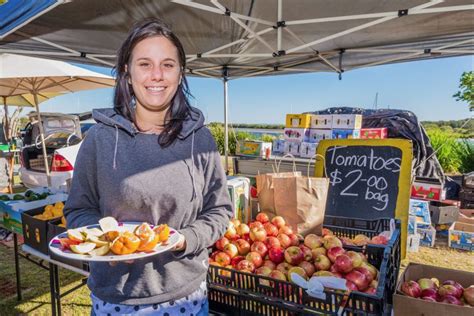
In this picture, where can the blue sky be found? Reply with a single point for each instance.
(424, 87)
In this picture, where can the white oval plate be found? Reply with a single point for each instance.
(55, 247)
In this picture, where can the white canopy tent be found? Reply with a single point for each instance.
(227, 39)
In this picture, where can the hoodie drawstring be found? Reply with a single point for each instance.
(114, 165)
(192, 167)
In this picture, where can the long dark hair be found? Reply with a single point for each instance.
(123, 96)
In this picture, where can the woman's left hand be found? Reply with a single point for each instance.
(181, 245)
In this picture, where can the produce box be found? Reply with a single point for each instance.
(405, 305)
(254, 148)
(292, 148)
(413, 242)
(461, 236)
(308, 150)
(345, 133)
(373, 133)
(420, 210)
(427, 236)
(234, 292)
(298, 120)
(296, 135)
(442, 213)
(12, 209)
(466, 216)
(317, 135)
(427, 189)
(346, 121)
(278, 146)
(239, 192)
(321, 121)
(35, 231)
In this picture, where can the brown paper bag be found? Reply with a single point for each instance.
(265, 191)
(301, 201)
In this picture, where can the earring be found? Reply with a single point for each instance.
(133, 103)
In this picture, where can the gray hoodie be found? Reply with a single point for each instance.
(126, 174)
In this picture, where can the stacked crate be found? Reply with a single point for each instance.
(466, 194)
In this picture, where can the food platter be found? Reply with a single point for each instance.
(56, 246)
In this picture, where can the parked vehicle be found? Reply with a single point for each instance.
(62, 138)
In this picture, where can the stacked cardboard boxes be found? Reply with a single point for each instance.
(419, 223)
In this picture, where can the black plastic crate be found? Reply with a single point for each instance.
(35, 231)
(252, 294)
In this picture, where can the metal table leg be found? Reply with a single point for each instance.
(17, 267)
(58, 289)
(52, 286)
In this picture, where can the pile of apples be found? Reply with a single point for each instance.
(363, 240)
(271, 248)
(449, 292)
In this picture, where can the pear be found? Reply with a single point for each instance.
(94, 232)
(75, 234)
(108, 224)
(101, 251)
(97, 241)
(83, 248)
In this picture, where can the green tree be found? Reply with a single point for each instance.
(466, 91)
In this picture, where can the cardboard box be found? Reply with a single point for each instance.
(317, 135)
(292, 148)
(442, 213)
(345, 133)
(254, 148)
(35, 231)
(413, 243)
(427, 236)
(296, 135)
(461, 236)
(420, 210)
(346, 121)
(12, 210)
(298, 120)
(408, 306)
(466, 216)
(308, 150)
(411, 225)
(239, 192)
(427, 190)
(373, 133)
(278, 146)
(321, 121)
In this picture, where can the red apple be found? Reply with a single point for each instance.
(262, 218)
(272, 242)
(285, 241)
(334, 252)
(313, 241)
(371, 290)
(308, 255)
(318, 251)
(468, 295)
(379, 240)
(235, 222)
(255, 224)
(455, 284)
(371, 268)
(295, 241)
(258, 234)
(276, 274)
(411, 288)
(234, 261)
(448, 289)
(294, 255)
(308, 268)
(263, 270)
(255, 258)
(287, 230)
(298, 270)
(368, 275)
(276, 255)
(222, 259)
(426, 283)
(213, 255)
(220, 244)
(284, 267)
(231, 233)
(231, 250)
(271, 229)
(343, 264)
(327, 232)
(360, 240)
(449, 299)
(358, 279)
(331, 242)
(246, 237)
(351, 286)
(243, 246)
(246, 266)
(259, 247)
(269, 263)
(243, 229)
(323, 273)
(430, 292)
(321, 262)
(356, 258)
(278, 221)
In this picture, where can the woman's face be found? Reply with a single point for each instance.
(155, 73)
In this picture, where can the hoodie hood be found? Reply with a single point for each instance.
(110, 117)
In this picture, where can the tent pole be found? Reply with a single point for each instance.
(226, 126)
(43, 145)
(7, 123)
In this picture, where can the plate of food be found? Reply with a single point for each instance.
(113, 241)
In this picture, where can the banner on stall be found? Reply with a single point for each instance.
(369, 178)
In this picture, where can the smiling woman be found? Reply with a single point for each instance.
(151, 159)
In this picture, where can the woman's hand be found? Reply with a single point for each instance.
(181, 245)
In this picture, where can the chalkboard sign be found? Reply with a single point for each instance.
(369, 178)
